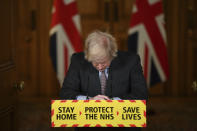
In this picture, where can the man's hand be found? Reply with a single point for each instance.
(100, 97)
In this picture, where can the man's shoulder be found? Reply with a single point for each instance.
(78, 59)
(125, 60)
(78, 56)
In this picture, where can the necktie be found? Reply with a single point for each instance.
(103, 81)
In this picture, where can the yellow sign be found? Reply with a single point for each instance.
(98, 113)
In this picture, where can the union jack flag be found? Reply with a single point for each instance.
(147, 37)
(64, 35)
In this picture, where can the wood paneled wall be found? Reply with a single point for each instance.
(112, 16)
(34, 17)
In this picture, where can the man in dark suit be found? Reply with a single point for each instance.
(101, 72)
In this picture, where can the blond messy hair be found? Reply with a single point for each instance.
(99, 45)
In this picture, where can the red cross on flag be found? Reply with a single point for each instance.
(65, 36)
(147, 37)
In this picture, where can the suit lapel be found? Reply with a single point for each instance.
(112, 71)
(94, 81)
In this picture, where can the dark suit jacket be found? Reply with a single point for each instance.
(125, 79)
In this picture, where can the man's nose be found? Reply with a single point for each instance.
(100, 66)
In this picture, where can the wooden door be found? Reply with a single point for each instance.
(189, 49)
(27, 47)
(8, 72)
(34, 18)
